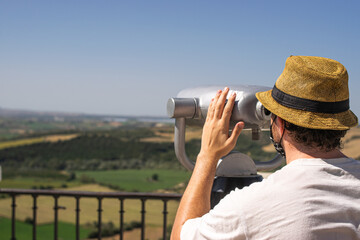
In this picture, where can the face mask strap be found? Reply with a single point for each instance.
(278, 147)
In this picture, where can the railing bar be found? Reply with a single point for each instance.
(34, 216)
(165, 212)
(143, 218)
(56, 208)
(13, 206)
(77, 210)
(121, 218)
(99, 218)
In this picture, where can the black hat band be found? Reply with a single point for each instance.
(308, 105)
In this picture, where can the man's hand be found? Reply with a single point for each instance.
(215, 144)
(215, 141)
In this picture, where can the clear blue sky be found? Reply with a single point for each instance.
(129, 57)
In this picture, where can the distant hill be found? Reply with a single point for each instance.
(17, 124)
(352, 143)
(19, 113)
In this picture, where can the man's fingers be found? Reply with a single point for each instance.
(212, 106)
(210, 112)
(229, 107)
(220, 103)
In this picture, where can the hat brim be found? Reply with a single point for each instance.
(338, 121)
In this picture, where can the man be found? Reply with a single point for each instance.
(315, 196)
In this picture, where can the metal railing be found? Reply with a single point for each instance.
(77, 195)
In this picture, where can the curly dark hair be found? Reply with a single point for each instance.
(323, 139)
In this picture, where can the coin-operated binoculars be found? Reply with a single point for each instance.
(236, 169)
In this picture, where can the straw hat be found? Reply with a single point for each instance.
(311, 92)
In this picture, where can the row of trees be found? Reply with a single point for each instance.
(121, 149)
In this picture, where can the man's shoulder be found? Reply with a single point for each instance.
(297, 180)
(336, 166)
(298, 193)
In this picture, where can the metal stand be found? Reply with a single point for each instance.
(224, 185)
(235, 170)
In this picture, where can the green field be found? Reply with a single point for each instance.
(66, 231)
(38, 183)
(131, 180)
(144, 180)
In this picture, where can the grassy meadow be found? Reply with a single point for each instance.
(36, 183)
(20, 142)
(66, 231)
(138, 180)
(130, 180)
(34, 140)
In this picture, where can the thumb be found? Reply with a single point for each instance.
(236, 132)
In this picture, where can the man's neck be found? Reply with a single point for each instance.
(296, 151)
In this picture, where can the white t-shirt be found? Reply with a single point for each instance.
(306, 199)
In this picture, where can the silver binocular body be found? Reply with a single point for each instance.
(192, 104)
